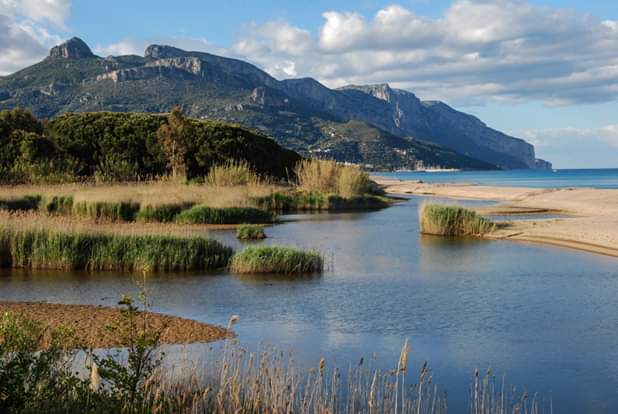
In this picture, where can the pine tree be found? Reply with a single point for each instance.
(175, 137)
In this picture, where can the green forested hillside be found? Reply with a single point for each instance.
(124, 146)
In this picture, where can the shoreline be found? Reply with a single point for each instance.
(588, 222)
(89, 323)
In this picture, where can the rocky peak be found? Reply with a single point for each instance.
(74, 48)
(163, 52)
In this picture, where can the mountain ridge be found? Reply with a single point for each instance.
(294, 111)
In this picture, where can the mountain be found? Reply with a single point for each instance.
(375, 124)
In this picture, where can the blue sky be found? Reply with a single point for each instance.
(544, 70)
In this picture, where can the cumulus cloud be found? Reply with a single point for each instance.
(27, 30)
(503, 50)
(576, 147)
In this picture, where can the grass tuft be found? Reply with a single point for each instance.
(232, 215)
(250, 232)
(274, 259)
(442, 220)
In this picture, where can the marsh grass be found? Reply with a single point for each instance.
(232, 173)
(163, 213)
(33, 247)
(275, 259)
(20, 203)
(62, 205)
(231, 215)
(315, 201)
(444, 220)
(250, 232)
(106, 211)
(323, 176)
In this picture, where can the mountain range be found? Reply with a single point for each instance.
(375, 125)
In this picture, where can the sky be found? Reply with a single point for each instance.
(542, 70)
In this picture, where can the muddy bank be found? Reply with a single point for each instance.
(90, 324)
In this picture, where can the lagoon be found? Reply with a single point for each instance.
(543, 316)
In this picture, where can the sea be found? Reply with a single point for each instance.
(559, 178)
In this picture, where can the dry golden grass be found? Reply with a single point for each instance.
(330, 177)
(42, 221)
(149, 193)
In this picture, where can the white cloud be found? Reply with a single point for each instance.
(503, 50)
(576, 147)
(50, 11)
(27, 30)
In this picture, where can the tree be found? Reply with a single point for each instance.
(175, 137)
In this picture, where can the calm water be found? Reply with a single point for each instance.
(546, 317)
(598, 178)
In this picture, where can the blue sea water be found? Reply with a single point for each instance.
(593, 178)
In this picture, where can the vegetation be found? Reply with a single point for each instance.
(442, 220)
(175, 138)
(35, 378)
(317, 201)
(232, 173)
(106, 211)
(232, 215)
(332, 178)
(128, 147)
(274, 259)
(250, 232)
(33, 248)
(164, 213)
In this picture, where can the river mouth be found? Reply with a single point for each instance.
(543, 316)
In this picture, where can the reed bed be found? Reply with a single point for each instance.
(37, 241)
(230, 215)
(303, 201)
(250, 232)
(240, 381)
(233, 173)
(443, 220)
(276, 260)
(164, 213)
(323, 176)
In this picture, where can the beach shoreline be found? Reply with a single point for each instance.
(588, 222)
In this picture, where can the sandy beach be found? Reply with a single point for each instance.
(90, 323)
(589, 222)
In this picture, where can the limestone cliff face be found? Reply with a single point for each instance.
(74, 48)
(437, 122)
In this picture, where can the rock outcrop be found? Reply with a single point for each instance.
(74, 48)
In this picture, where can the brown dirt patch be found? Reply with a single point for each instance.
(90, 323)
